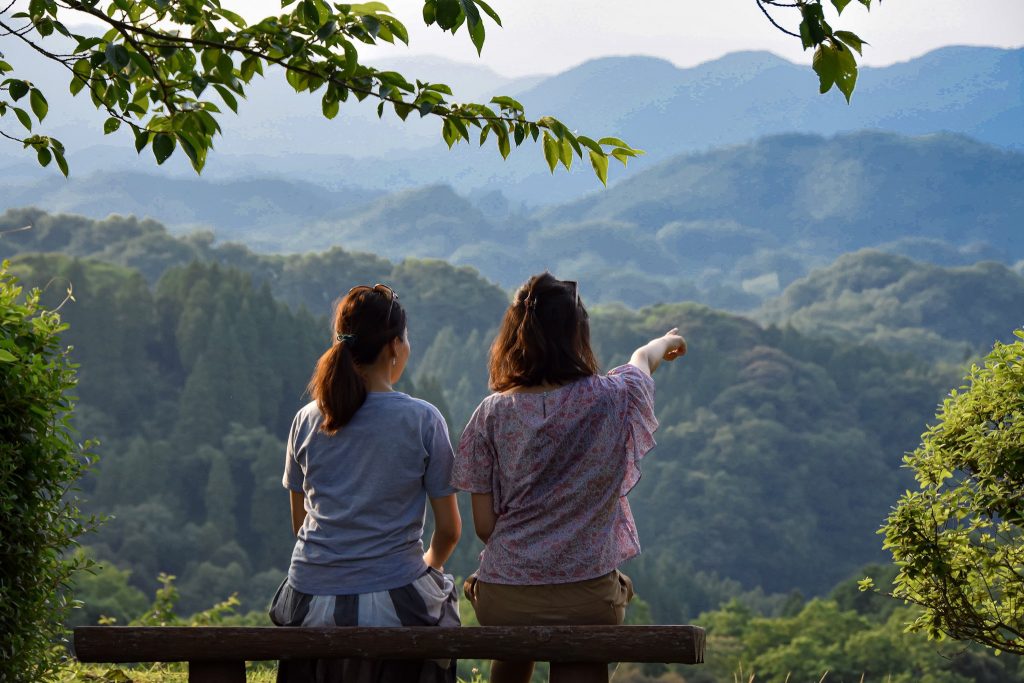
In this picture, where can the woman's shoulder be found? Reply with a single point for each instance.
(308, 415)
(417, 406)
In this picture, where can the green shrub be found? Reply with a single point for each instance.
(959, 539)
(39, 465)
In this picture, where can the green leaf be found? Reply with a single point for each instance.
(565, 153)
(44, 157)
(17, 89)
(163, 147)
(852, 40)
(448, 14)
(622, 156)
(551, 151)
(471, 12)
(600, 164)
(491, 13)
(330, 106)
(826, 65)
(23, 116)
(117, 56)
(141, 140)
(111, 125)
(449, 133)
(39, 105)
(81, 72)
(226, 95)
(846, 77)
(840, 5)
(198, 85)
(62, 163)
(311, 13)
(429, 12)
(503, 143)
(7, 357)
(209, 59)
(507, 102)
(194, 150)
(477, 34)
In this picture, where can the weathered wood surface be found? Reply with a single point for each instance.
(665, 644)
(216, 672)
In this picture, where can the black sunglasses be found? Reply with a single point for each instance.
(575, 289)
(391, 295)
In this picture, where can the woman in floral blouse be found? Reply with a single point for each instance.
(549, 458)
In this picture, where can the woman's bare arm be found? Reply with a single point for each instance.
(668, 347)
(298, 505)
(484, 518)
(447, 530)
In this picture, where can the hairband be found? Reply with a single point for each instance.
(349, 338)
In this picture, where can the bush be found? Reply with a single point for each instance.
(39, 465)
(959, 539)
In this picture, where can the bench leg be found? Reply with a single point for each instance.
(216, 672)
(568, 672)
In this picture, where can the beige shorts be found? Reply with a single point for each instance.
(600, 601)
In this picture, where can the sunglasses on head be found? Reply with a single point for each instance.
(575, 289)
(384, 290)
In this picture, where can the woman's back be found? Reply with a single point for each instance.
(366, 488)
(558, 465)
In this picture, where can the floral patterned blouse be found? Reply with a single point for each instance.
(559, 465)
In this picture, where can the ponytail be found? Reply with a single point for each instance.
(338, 389)
(364, 322)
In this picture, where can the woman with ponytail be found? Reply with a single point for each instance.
(549, 458)
(362, 462)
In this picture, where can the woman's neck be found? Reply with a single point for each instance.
(378, 377)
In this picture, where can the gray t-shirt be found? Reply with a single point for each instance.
(366, 489)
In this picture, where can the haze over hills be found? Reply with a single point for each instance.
(729, 227)
(904, 305)
(649, 102)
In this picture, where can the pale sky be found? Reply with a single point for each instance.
(549, 36)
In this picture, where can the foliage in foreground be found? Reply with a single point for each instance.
(959, 539)
(163, 70)
(39, 465)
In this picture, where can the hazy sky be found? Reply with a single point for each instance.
(548, 36)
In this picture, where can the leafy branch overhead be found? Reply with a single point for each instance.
(164, 71)
(833, 55)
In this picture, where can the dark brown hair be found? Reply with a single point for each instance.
(365, 320)
(544, 337)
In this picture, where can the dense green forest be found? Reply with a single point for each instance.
(778, 456)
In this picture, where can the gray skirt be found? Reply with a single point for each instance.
(430, 600)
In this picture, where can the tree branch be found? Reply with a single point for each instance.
(760, 4)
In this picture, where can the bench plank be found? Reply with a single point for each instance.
(216, 672)
(118, 644)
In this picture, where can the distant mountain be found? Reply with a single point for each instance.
(832, 195)
(903, 305)
(651, 103)
(729, 227)
(254, 210)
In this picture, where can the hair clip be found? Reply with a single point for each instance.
(347, 338)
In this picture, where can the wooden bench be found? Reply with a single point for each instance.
(219, 654)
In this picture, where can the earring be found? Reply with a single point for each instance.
(394, 361)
